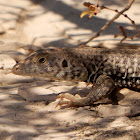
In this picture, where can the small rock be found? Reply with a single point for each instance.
(117, 110)
(6, 77)
(50, 90)
(130, 98)
(6, 62)
(36, 94)
(120, 122)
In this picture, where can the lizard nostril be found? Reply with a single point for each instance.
(15, 68)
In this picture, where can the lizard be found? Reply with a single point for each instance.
(106, 69)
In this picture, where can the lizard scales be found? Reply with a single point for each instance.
(85, 64)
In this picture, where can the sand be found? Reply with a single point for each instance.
(28, 108)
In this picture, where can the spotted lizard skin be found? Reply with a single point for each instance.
(105, 68)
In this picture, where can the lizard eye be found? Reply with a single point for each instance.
(64, 63)
(42, 60)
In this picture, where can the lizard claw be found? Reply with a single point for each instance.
(72, 100)
(66, 104)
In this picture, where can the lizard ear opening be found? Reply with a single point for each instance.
(42, 60)
(64, 63)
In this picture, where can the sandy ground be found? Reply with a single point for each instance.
(27, 107)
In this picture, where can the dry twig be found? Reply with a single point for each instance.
(112, 20)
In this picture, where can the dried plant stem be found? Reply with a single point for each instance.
(103, 7)
(97, 2)
(109, 22)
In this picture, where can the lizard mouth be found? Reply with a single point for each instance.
(22, 69)
(18, 69)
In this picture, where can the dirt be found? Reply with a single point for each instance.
(28, 108)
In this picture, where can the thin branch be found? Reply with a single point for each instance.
(97, 2)
(109, 22)
(126, 16)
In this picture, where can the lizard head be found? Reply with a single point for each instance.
(58, 64)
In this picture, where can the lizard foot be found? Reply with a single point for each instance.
(73, 100)
(104, 87)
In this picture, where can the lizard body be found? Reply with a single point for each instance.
(105, 68)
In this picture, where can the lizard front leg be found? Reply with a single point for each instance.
(103, 87)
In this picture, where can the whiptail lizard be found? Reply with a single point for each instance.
(105, 68)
